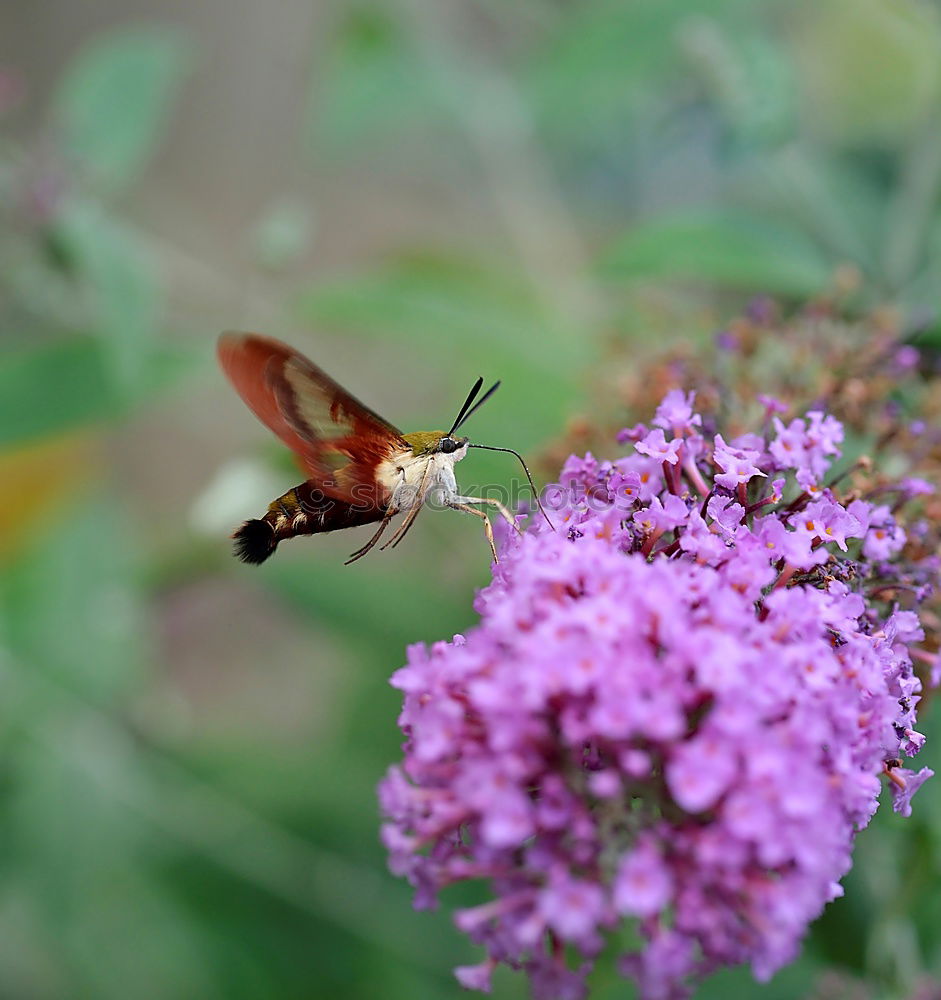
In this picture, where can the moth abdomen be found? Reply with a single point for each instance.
(304, 510)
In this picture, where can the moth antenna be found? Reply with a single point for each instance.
(532, 485)
(462, 413)
(465, 416)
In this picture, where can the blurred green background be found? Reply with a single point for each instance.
(414, 192)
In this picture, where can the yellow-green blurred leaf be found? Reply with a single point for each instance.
(35, 481)
(69, 384)
(723, 248)
(869, 69)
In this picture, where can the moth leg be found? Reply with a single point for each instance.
(383, 524)
(404, 529)
(411, 515)
(504, 513)
(457, 504)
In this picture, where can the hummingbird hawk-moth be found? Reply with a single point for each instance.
(360, 468)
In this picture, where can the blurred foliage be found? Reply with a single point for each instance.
(797, 136)
(723, 248)
(187, 799)
(114, 100)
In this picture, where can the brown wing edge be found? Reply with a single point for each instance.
(266, 372)
(247, 360)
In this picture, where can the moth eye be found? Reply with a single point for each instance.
(448, 445)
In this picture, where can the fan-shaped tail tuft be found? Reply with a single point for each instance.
(254, 542)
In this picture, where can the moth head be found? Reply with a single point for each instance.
(436, 443)
(448, 444)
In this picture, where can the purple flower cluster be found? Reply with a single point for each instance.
(676, 709)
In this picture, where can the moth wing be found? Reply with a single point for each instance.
(338, 439)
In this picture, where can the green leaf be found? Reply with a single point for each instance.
(84, 864)
(835, 201)
(373, 85)
(115, 98)
(724, 248)
(921, 292)
(53, 388)
(603, 59)
(796, 979)
(68, 384)
(608, 63)
(125, 292)
(929, 338)
(436, 297)
(748, 77)
(462, 319)
(72, 603)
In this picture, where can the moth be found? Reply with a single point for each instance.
(360, 468)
